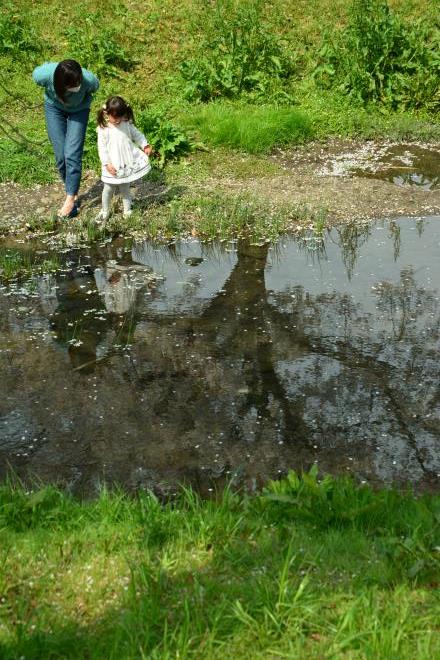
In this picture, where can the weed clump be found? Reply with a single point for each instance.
(241, 54)
(378, 58)
(168, 140)
(17, 36)
(253, 129)
(98, 46)
(15, 264)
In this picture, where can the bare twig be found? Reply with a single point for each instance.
(18, 98)
(38, 143)
(21, 142)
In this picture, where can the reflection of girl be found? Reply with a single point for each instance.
(68, 95)
(118, 290)
(123, 151)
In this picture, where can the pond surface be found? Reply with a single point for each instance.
(238, 362)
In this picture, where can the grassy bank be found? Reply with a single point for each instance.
(306, 569)
(208, 217)
(244, 76)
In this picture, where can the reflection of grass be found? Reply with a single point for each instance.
(307, 570)
(319, 223)
(15, 264)
(73, 332)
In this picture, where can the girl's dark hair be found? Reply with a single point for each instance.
(115, 106)
(68, 73)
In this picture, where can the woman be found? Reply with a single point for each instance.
(67, 99)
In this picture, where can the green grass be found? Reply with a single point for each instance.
(255, 129)
(333, 115)
(220, 216)
(306, 569)
(208, 216)
(25, 165)
(151, 41)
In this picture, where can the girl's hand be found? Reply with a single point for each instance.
(110, 169)
(148, 150)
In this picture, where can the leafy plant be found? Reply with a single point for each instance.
(98, 46)
(168, 140)
(17, 36)
(380, 58)
(241, 54)
(325, 502)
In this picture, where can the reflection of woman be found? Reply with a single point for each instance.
(67, 99)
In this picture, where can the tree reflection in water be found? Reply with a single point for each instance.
(241, 379)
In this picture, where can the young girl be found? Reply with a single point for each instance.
(123, 151)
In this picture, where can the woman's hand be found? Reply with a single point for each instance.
(110, 169)
(148, 150)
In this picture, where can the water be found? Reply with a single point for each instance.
(402, 164)
(240, 363)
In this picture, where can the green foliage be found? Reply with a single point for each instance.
(90, 154)
(241, 54)
(21, 510)
(380, 58)
(168, 140)
(19, 163)
(220, 216)
(332, 112)
(17, 36)
(408, 527)
(208, 578)
(326, 502)
(250, 128)
(97, 45)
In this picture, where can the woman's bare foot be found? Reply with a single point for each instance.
(68, 205)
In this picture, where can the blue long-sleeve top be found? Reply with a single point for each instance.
(75, 101)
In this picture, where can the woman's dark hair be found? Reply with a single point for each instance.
(68, 73)
(115, 106)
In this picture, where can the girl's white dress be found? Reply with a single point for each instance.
(121, 146)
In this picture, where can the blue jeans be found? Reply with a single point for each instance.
(67, 133)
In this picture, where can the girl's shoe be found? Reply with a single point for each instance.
(102, 217)
(127, 214)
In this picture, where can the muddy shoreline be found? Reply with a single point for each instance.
(315, 176)
(305, 180)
